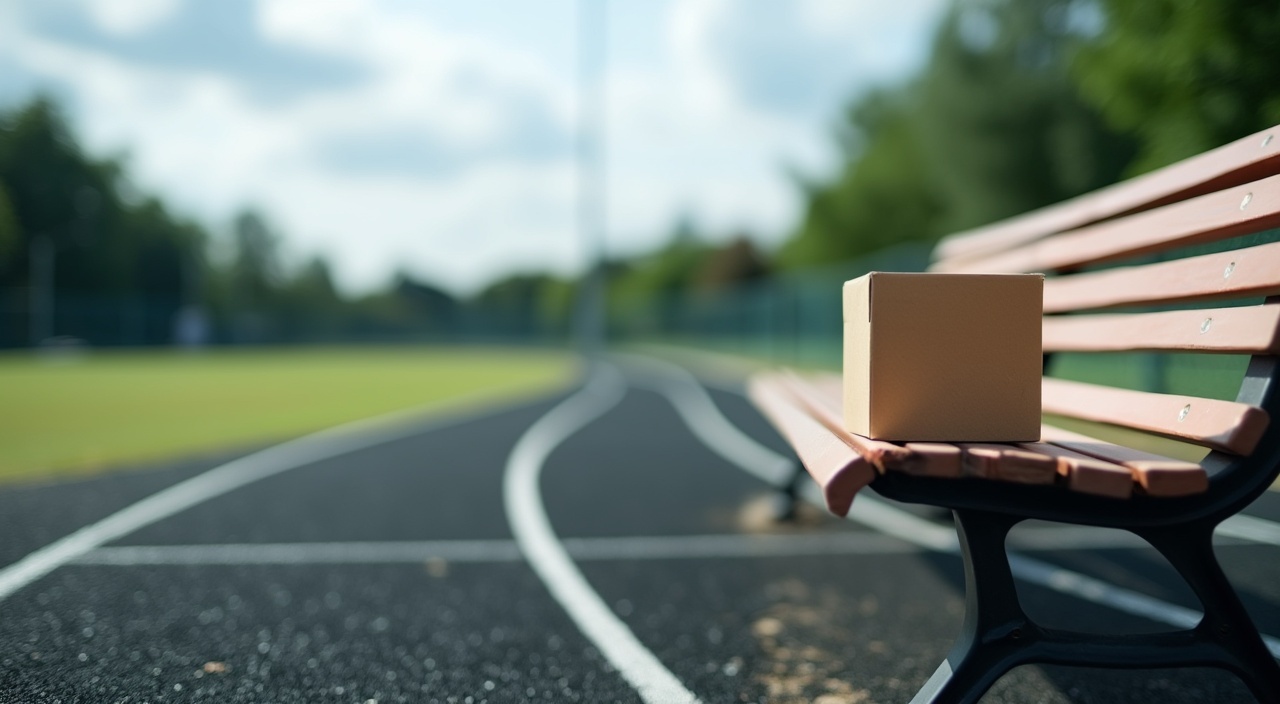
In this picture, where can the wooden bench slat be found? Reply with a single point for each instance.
(1242, 161)
(821, 393)
(837, 468)
(804, 411)
(1254, 329)
(1222, 425)
(1008, 462)
(933, 459)
(1241, 210)
(1156, 474)
(992, 461)
(881, 454)
(1253, 271)
(1085, 474)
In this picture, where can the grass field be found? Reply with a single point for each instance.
(115, 409)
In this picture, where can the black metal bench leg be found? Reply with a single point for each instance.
(1190, 550)
(996, 633)
(786, 498)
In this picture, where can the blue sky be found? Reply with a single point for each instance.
(437, 136)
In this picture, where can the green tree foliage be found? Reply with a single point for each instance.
(735, 263)
(306, 303)
(992, 127)
(1003, 128)
(521, 304)
(58, 193)
(10, 236)
(1185, 76)
(663, 274)
(883, 194)
(649, 292)
(108, 244)
(255, 268)
(105, 244)
(123, 255)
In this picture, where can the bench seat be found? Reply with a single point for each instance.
(808, 409)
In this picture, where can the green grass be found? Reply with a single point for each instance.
(115, 409)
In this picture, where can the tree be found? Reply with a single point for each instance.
(992, 127)
(58, 193)
(883, 194)
(659, 275)
(255, 269)
(735, 263)
(1003, 127)
(10, 235)
(1184, 76)
(108, 253)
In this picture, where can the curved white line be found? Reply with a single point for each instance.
(547, 556)
(632, 547)
(1252, 528)
(887, 519)
(215, 482)
(705, 420)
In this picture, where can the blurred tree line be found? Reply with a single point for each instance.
(1020, 103)
(85, 254)
(1023, 103)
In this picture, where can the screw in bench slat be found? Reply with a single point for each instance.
(1266, 140)
(1186, 411)
(1204, 327)
(1245, 203)
(1226, 273)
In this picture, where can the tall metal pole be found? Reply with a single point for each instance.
(593, 23)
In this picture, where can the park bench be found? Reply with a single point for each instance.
(1188, 241)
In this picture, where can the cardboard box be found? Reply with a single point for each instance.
(944, 357)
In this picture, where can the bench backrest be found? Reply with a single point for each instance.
(1133, 247)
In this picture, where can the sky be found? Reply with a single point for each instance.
(438, 137)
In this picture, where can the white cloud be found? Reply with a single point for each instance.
(450, 152)
(748, 90)
(127, 17)
(202, 140)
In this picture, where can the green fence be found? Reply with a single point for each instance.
(792, 318)
(70, 318)
(795, 319)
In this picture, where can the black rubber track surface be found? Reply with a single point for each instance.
(831, 629)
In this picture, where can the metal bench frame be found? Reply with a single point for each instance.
(997, 634)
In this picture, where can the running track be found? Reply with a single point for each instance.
(607, 544)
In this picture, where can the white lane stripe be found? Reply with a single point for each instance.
(880, 516)
(706, 421)
(638, 547)
(532, 530)
(305, 553)
(733, 546)
(1067, 582)
(1258, 530)
(674, 547)
(215, 482)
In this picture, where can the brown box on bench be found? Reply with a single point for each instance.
(943, 357)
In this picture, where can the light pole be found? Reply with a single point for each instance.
(42, 257)
(593, 21)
